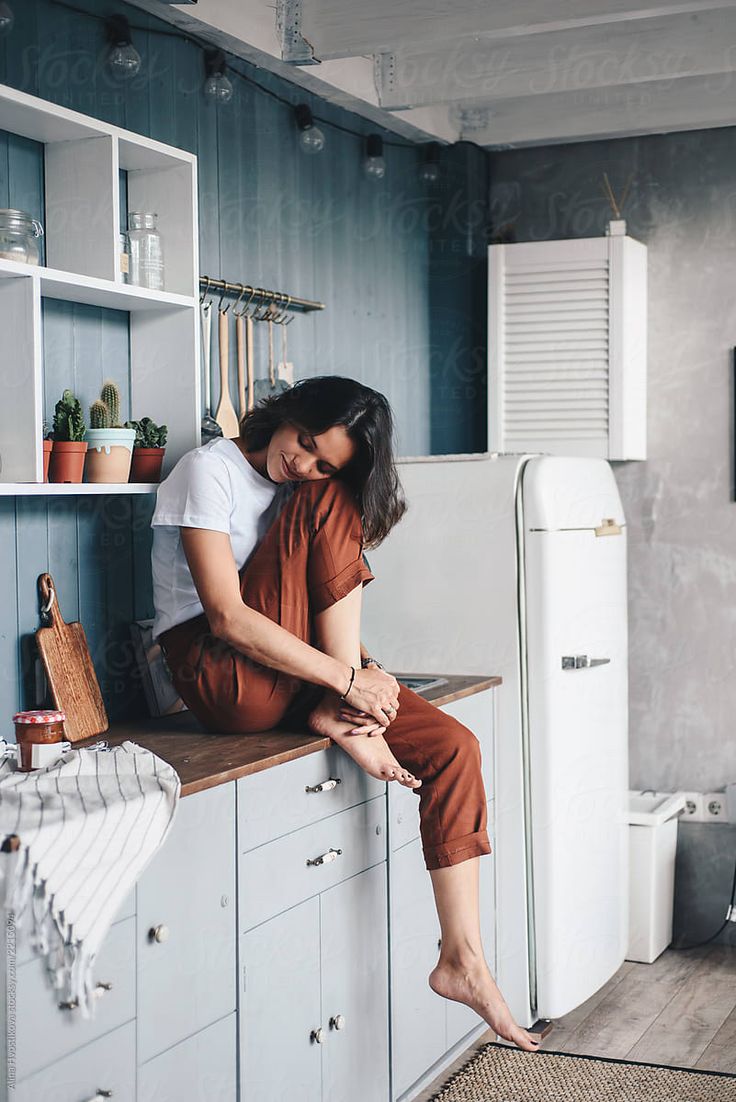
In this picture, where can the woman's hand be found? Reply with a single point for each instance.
(373, 700)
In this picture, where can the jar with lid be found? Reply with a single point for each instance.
(145, 251)
(19, 236)
(40, 735)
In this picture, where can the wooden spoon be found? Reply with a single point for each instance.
(240, 341)
(225, 414)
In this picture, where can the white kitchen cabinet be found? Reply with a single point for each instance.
(567, 347)
(314, 998)
(103, 1069)
(203, 1068)
(186, 924)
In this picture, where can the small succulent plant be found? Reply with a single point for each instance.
(68, 418)
(110, 395)
(147, 433)
(99, 415)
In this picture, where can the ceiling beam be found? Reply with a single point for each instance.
(351, 28)
(655, 107)
(663, 48)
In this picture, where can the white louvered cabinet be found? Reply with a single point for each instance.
(567, 347)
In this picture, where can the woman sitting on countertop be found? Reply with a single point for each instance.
(258, 573)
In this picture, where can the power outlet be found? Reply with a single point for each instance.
(714, 807)
(694, 807)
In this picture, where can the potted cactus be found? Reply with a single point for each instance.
(66, 459)
(110, 443)
(148, 452)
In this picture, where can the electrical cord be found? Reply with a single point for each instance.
(724, 924)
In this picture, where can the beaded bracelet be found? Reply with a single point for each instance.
(352, 678)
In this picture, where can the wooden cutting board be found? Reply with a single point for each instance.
(71, 676)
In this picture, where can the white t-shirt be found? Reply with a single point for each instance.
(214, 487)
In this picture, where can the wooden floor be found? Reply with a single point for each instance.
(679, 1010)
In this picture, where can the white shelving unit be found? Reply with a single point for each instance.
(82, 162)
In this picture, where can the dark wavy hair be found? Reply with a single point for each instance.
(316, 405)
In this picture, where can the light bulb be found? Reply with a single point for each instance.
(123, 59)
(218, 86)
(311, 138)
(374, 165)
(7, 18)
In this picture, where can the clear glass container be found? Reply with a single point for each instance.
(145, 251)
(19, 236)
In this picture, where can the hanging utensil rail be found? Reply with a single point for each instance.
(257, 296)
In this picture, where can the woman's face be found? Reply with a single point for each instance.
(295, 455)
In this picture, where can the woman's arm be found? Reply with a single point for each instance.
(215, 575)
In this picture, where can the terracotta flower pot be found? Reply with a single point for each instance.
(146, 465)
(67, 461)
(47, 446)
(109, 455)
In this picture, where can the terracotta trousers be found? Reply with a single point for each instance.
(310, 558)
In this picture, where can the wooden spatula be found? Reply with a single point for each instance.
(225, 414)
(71, 676)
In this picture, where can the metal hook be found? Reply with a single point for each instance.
(222, 295)
(244, 311)
(237, 300)
(265, 307)
(203, 296)
(290, 317)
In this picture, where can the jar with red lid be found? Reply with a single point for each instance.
(38, 734)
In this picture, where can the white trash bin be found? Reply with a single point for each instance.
(652, 846)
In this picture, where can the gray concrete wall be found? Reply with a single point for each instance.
(679, 502)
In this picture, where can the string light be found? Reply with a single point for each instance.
(311, 138)
(123, 58)
(217, 86)
(374, 163)
(429, 173)
(7, 18)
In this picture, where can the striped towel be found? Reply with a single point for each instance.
(86, 825)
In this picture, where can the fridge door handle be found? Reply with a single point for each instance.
(581, 661)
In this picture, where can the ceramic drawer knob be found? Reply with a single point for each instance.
(324, 786)
(318, 1035)
(159, 933)
(338, 1022)
(323, 858)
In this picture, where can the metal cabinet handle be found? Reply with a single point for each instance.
(337, 1022)
(99, 989)
(159, 933)
(318, 1035)
(581, 662)
(323, 858)
(324, 786)
(101, 1093)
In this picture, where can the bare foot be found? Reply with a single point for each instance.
(472, 983)
(371, 752)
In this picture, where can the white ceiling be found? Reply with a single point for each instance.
(504, 73)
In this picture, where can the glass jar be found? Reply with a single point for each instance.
(19, 236)
(145, 251)
(35, 732)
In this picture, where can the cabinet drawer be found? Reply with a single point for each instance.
(186, 977)
(108, 1064)
(201, 1069)
(276, 801)
(45, 1033)
(277, 875)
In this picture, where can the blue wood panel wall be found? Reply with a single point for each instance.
(401, 298)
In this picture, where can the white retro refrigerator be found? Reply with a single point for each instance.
(515, 565)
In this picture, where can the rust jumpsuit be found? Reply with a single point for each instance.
(309, 558)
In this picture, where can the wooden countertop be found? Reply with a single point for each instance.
(204, 760)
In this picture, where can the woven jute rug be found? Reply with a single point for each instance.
(499, 1073)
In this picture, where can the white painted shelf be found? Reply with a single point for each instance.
(69, 489)
(83, 158)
